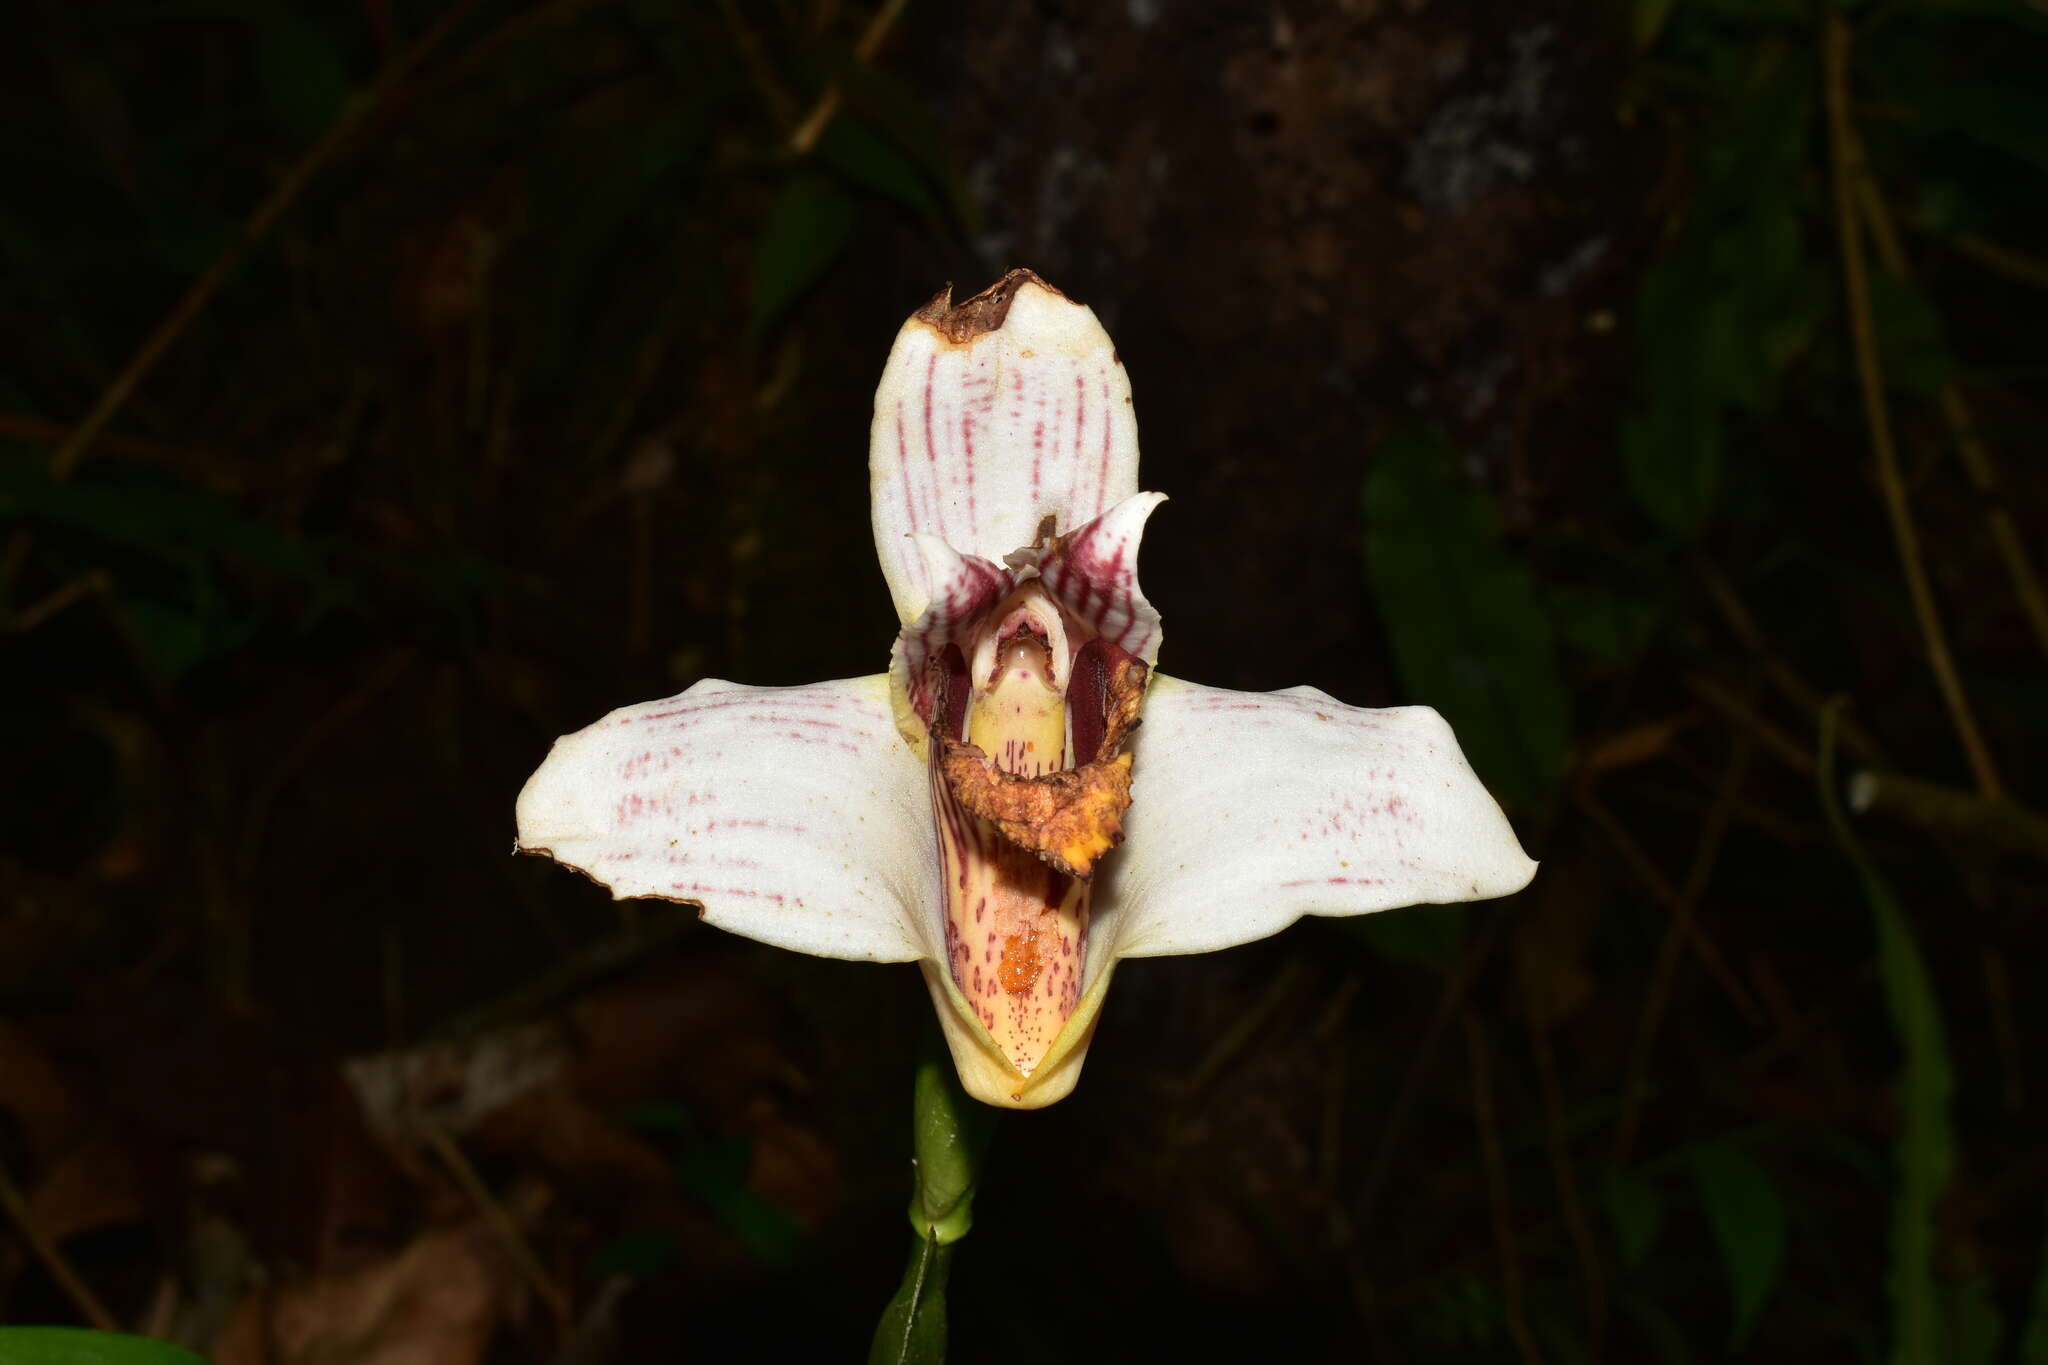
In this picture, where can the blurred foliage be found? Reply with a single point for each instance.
(66, 1346)
(538, 396)
(1742, 440)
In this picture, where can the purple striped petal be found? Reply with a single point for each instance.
(958, 590)
(991, 416)
(1094, 573)
(792, 815)
(1252, 809)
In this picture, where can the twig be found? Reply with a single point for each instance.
(780, 106)
(1705, 855)
(56, 433)
(1449, 1002)
(1692, 933)
(1743, 716)
(501, 1222)
(305, 745)
(1962, 426)
(1945, 810)
(52, 1256)
(822, 113)
(77, 590)
(2006, 261)
(1780, 674)
(1870, 375)
(1497, 1192)
(253, 231)
(1243, 1032)
(1563, 1173)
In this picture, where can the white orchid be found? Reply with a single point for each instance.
(961, 809)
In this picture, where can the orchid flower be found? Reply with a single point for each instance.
(1020, 802)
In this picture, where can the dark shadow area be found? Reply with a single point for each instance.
(389, 388)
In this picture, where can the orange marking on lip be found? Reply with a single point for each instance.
(1020, 966)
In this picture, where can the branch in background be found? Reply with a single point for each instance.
(2006, 261)
(781, 106)
(1780, 674)
(1740, 713)
(258, 225)
(1962, 425)
(1497, 1190)
(77, 590)
(1693, 933)
(1536, 1009)
(1848, 172)
(52, 1256)
(502, 1224)
(822, 113)
(1683, 919)
(1998, 824)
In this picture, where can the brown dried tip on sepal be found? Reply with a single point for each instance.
(980, 315)
(1071, 817)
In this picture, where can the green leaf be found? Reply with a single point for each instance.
(1469, 634)
(1748, 1219)
(875, 164)
(1636, 1210)
(1972, 1324)
(1646, 22)
(170, 639)
(1908, 334)
(807, 228)
(912, 1330)
(302, 73)
(1671, 444)
(900, 113)
(1430, 936)
(1925, 1149)
(641, 1255)
(73, 1346)
(1606, 625)
(716, 1172)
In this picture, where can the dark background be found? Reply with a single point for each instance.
(515, 364)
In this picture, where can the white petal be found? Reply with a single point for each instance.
(1252, 809)
(976, 440)
(792, 815)
(1095, 572)
(959, 588)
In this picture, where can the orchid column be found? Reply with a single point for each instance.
(965, 809)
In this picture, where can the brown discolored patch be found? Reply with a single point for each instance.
(1069, 818)
(984, 313)
(1018, 971)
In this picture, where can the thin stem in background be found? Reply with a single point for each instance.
(257, 226)
(1962, 425)
(1691, 931)
(1497, 1190)
(1779, 673)
(1848, 170)
(500, 1219)
(1562, 1171)
(2003, 259)
(52, 1256)
(822, 113)
(1705, 855)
